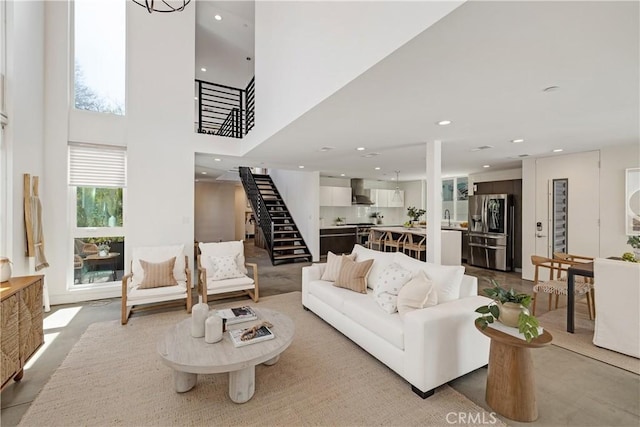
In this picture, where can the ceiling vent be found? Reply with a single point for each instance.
(482, 147)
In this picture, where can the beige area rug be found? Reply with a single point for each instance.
(113, 376)
(581, 341)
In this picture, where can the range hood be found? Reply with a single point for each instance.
(358, 196)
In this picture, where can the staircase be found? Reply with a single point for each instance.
(281, 235)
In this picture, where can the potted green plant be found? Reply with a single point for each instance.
(415, 213)
(510, 308)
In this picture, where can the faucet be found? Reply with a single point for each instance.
(447, 215)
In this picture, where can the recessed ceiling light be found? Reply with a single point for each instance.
(486, 166)
(444, 122)
(557, 150)
(203, 173)
(195, 97)
(517, 141)
(301, 167)
(218, 18)
(217, 160)
(360, 149)
(377, 168)
(203, 69)
(327, 148)
(341, 174)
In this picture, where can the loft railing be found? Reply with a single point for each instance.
(260, 211)
(225, 110)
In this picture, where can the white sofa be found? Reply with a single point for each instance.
(428, 347)
(617, 290)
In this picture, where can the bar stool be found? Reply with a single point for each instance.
(376, 239)
(391, 242)
(416, 244)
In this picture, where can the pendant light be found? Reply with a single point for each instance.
(397, 197)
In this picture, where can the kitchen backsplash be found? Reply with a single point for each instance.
(355, 214)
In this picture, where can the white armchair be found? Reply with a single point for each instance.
(223, 270)
(617, 285)
(158, 274)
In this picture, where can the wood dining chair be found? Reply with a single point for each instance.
(557, 281)
(589, 280)
(376, 239)
(414, 243)
(394, 241)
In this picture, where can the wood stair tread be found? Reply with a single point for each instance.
(288, 248)
(287, 239)
(292, 256)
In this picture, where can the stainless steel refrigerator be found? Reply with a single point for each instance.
(491, 231)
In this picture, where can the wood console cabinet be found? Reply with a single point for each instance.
(22, 324)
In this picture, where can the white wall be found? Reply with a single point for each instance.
(306, 51)
(613, 162)
(24, 134)
(301, 193)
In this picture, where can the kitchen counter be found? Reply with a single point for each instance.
(331, 227)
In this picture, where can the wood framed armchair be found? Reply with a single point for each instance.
(222, 271)
(158, 274)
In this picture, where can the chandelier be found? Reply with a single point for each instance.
(163, 6)
(397, 197)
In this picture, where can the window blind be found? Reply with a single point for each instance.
(98, 166)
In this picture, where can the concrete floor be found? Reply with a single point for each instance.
(572, 389)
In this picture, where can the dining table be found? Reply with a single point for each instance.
(582, 269)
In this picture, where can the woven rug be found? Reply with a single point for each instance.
(113, 376)
(581, 341)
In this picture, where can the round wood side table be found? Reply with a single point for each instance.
(511, 390)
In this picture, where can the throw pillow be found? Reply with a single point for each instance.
(224, 267)
(217, 249)
(352, 275)
(380, 261)
(334, 262)
(419, 292)
(446, 278)
(390, 281)
(157, 274)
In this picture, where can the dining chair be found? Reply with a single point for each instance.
(394, 240)
(590, 280)
(376, 239)
(557, 281)
(414, 243)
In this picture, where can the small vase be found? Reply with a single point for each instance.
(213, 329)
(5, 269)
(510, 312)
(199, 314)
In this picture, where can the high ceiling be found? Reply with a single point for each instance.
(485, 67)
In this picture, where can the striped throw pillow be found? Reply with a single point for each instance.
(334, 262)
(352, 275)
(158, 274)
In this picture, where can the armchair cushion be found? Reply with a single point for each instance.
(225, 267)
(230, 284)
(158, 254)
(158, 274)
(218, 249)
(140, 296)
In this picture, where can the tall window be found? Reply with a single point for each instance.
(97, 180)
(455, 198)
(99, 53)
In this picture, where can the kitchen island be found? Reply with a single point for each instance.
(451, 241)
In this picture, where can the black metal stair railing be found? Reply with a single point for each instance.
(225, 110)
(262, 215)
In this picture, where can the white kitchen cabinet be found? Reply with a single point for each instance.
(335, 196)
(383, 198)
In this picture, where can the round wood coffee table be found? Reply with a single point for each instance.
(511, 389)
(189, 356)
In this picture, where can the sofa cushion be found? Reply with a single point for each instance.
(328, 294)
(213, 249)
(334, 262)
(224, 267)
(418, 293)
(446, 278)
(365, 311)
(392, 279)
(158, 274)
(381, 260)
(352, 275)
